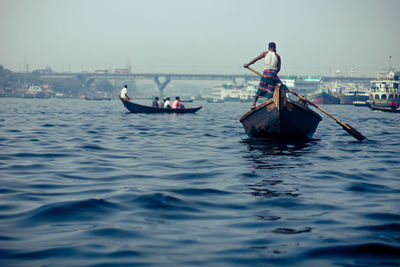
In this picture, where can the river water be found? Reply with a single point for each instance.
(85, 183)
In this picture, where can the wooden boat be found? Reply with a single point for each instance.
(361, 103)
(323, 97)
(384, 109)
(281, 118)
(215, 100)
(137, 108)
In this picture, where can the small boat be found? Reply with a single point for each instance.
(137, 108)
(97, 98)
(281, 118)
(361, 103)
(385, 109)
(215, 100)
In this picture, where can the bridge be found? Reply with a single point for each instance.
(162, 79)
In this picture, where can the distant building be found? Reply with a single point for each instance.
(34, 89)
(234, 92)
(122, 70)
(45, 70)
(101, 71)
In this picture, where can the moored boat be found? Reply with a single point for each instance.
(215, 100)
(361, 103)
(137, 108)
(97, 98)
(281, 118)
(322, 97)
(385, 109)
(348, 97)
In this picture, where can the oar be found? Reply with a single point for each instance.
(353, 132)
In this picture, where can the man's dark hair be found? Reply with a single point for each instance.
(272, 45)
(126, 86)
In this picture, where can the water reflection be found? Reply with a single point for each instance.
(270, 188)
(280, 159)
(279, 147)
(276, 154)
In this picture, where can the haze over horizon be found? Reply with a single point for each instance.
(211, 36)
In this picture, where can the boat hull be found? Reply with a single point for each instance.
(383, 103)
(137, 108)
(293, 120)
(349, 99)
(385, 109)
(361, 103)
(97, 98)
(322, 98)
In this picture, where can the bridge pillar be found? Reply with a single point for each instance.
(161, 85)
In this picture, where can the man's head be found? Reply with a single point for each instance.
(272, 46)
(177, 98)
(157, 98)
(126, 86)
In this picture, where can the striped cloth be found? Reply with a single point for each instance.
(267, 84)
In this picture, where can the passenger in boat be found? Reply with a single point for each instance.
(124, 96)
(155, 102)
(167, 103)
(177, 103)
(270, 80)
(160, 103)
(393, 105)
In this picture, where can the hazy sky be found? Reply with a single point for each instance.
(207, 36)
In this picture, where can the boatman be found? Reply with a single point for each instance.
(269, 81)
(124, 93)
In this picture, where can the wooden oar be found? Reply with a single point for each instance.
(353, 132)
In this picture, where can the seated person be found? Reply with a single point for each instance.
(177, 103)
(393, 105)
(155, 102)
(167, 104)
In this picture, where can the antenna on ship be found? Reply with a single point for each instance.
(390, 62)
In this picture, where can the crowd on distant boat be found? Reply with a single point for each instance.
(157, 102)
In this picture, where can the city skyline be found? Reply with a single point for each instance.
(313, 37)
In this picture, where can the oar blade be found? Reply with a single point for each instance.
(353, 132)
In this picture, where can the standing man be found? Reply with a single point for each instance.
(270, 80)
(124, 96)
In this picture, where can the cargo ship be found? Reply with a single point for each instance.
(356, 94)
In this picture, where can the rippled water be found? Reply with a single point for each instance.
(84, 183)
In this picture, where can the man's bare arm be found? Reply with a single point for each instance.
(256, 59)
